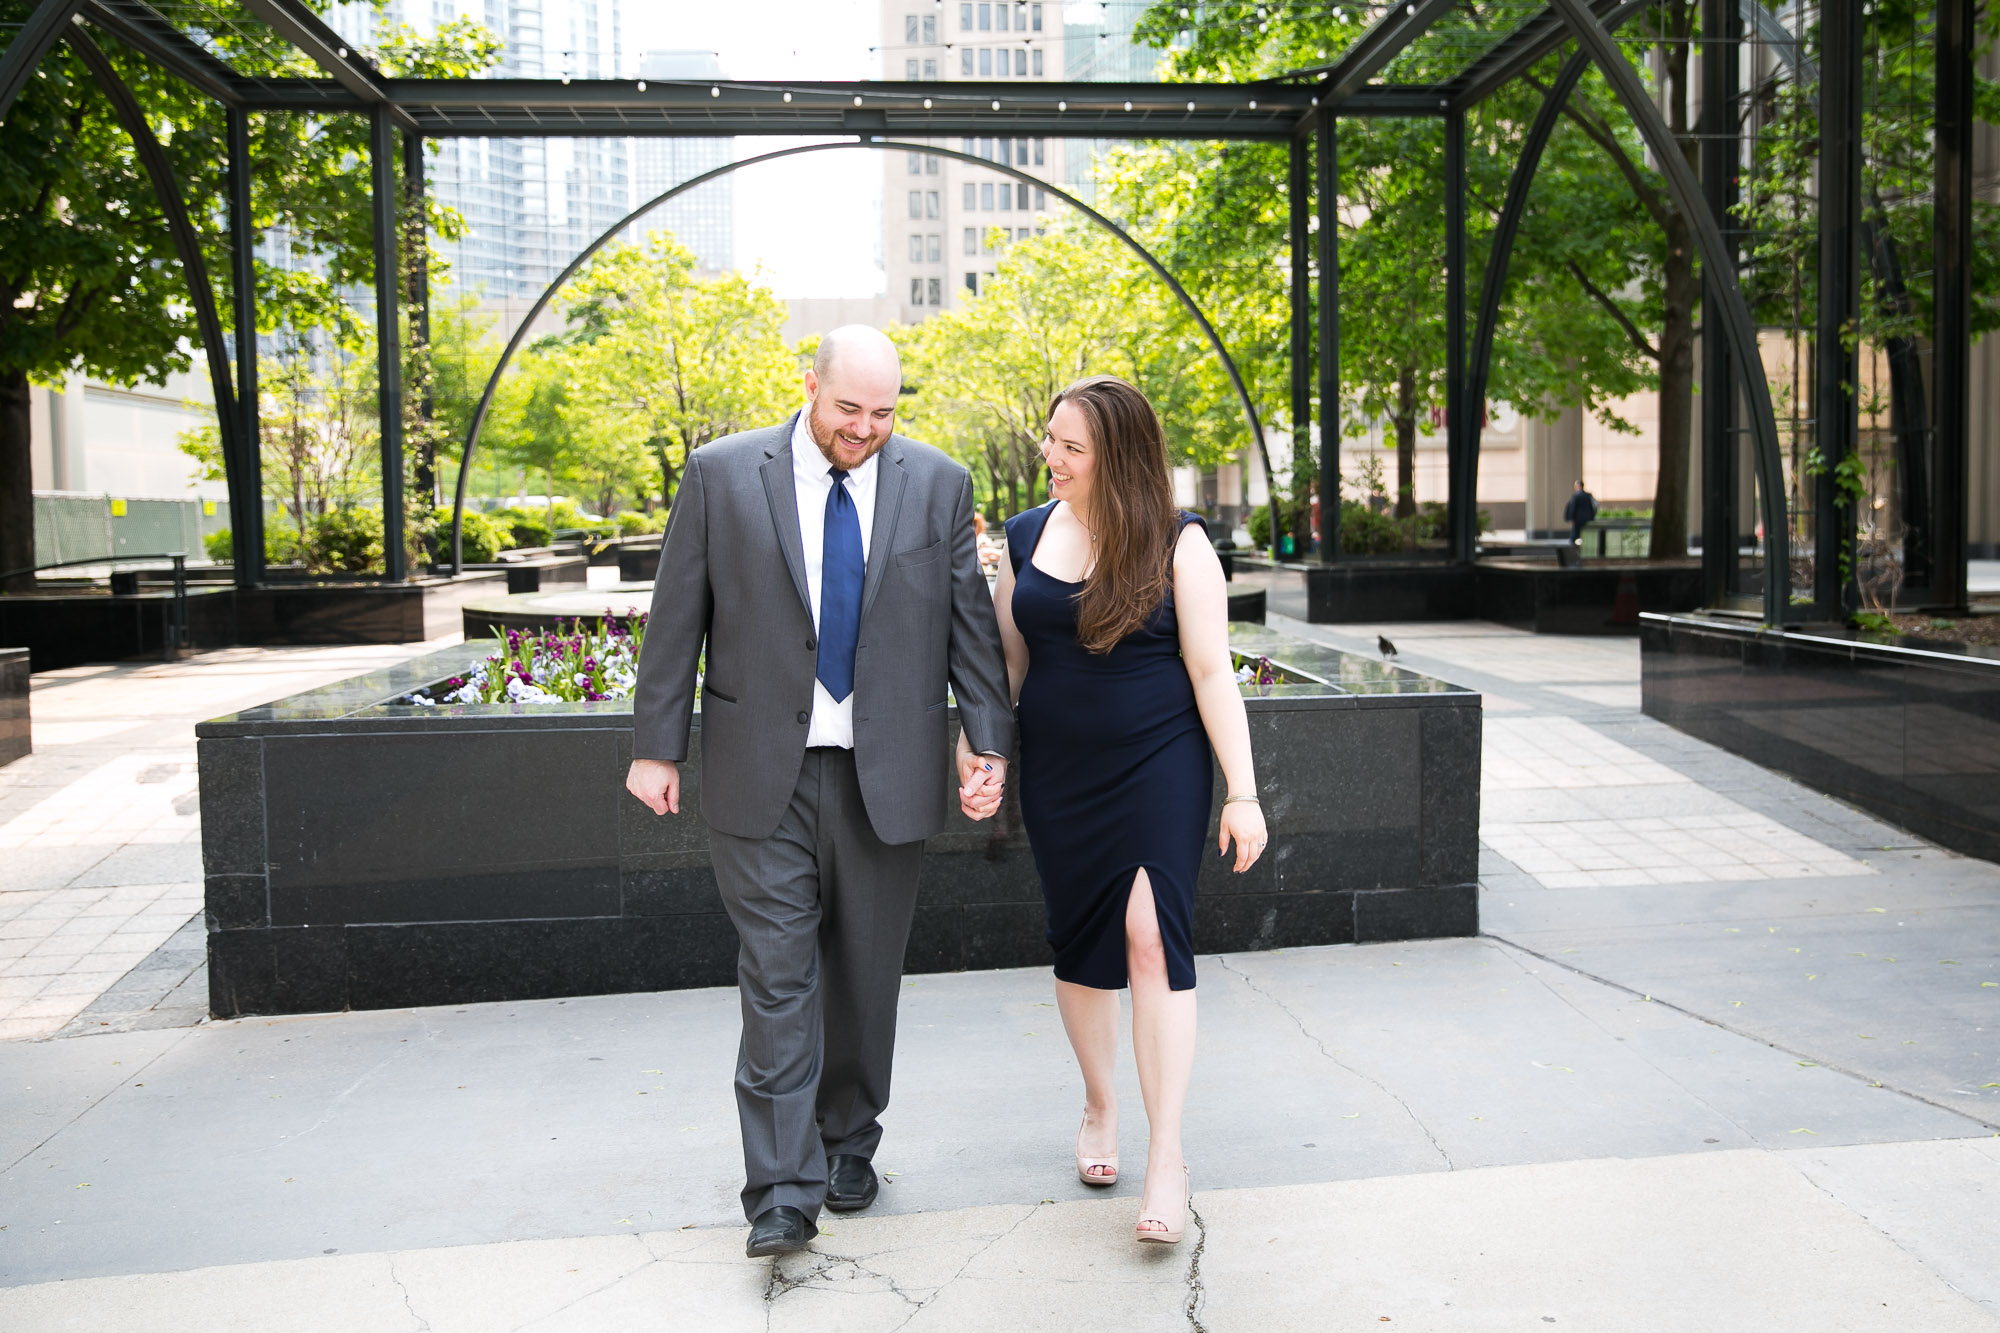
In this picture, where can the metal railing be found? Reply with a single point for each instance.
(176, 636)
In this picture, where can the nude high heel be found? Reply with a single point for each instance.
(1173, 1235)
(1109, 1175)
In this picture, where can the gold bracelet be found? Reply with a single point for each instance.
(1252, 799)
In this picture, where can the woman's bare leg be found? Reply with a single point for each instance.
(1090, 1017)
(1163, 1025)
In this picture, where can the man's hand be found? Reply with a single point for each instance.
(982, 781)
(657, 784)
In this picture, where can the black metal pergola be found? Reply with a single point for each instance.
(1300, 110)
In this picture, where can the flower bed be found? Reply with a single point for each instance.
(580, 661)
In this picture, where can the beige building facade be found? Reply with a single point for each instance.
(945, 222)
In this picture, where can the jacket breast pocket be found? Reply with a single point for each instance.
(923, 555)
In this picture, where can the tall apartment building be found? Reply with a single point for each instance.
(531, 204)
(703, 219)
(944, 222)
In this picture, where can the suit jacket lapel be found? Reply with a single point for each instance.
(783, 494)
(890, 480)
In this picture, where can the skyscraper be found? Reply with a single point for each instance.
(944, 221)
(531, 204)
(703, 219)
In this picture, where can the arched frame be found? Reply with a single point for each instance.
(575, 265)
(1595, 45)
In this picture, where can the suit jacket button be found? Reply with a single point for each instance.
(804, 718)
(812, 645)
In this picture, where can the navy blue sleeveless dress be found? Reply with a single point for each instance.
(1116, 773)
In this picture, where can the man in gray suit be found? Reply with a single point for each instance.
(830, 568)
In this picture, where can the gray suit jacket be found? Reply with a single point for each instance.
(732, 574)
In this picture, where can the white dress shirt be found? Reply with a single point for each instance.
(832, 723)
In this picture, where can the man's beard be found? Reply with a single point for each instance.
(826, 437)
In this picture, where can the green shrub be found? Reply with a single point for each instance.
(481, 536)
(219, 544)
(525, 527)
(344, 541)
(636, 522)
(1259, 524)
(281, 545)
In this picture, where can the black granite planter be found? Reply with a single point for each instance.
(1596, 597)
(16, 734)
(1909, 731)
(362, 853)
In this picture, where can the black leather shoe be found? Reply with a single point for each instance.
(850, 1183)
(779, 1230)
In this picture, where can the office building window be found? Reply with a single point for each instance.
(1020, 152)
(972, 283)
(930, 165)
(985, 18)
(1040, 144)
(910, 29)
(965, 60)
(1038, 62)
(930, 69)
(1041, 206)
(1022, 196)
(916, 169)
(985, 60)
(1020, 64)
(971, 196)
(934, 250)
(965, 18)
(916, 248)
(931, 201)
(916, 203)
(1000, 17)
(1035, 11)
(986, 197)
(910, 70)
(972, 240)
(916, 292)
(969, 147)
(1006, 197)
(933, 291)
(930, 30)
(986, 241)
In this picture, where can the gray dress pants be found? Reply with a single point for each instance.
(822, 911)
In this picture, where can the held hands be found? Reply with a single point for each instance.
(1242, 821)
(657, 784)
(982, 781)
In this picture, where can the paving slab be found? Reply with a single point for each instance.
(1718, 1241)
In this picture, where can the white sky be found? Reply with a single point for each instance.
(812, 224)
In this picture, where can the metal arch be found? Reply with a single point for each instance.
(548, 294)
(194, 269)
(37, 36)
(1493, 282)
(1719, 276)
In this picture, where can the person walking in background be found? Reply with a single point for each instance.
(1114, 616)
(829, 568)
(1578, 513)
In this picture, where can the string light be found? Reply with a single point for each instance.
(642, 85)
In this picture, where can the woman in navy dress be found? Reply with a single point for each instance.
(1114, 615)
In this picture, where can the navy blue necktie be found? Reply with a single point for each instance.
(840, 574)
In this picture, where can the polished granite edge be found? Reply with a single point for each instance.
(367, 703)
(1903, 648)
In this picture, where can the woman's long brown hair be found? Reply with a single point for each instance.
(1131, 511)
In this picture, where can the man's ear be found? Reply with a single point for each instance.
(812, 384)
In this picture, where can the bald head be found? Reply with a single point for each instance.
(856, 350)
(851, 392)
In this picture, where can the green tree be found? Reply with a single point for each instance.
(677, 358)
(89, 281)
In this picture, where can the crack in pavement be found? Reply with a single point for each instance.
(423, 1324)
(1793, 1051)
(1919, 1259)
(652, 1257)
(1197, 1293)
(1307, 1033)
(1577, 1009)
(95, 1102)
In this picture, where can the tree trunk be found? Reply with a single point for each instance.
(17, 482)
(1670, 489)
(1406, 442)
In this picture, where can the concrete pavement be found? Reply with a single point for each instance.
(1724, 1059)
